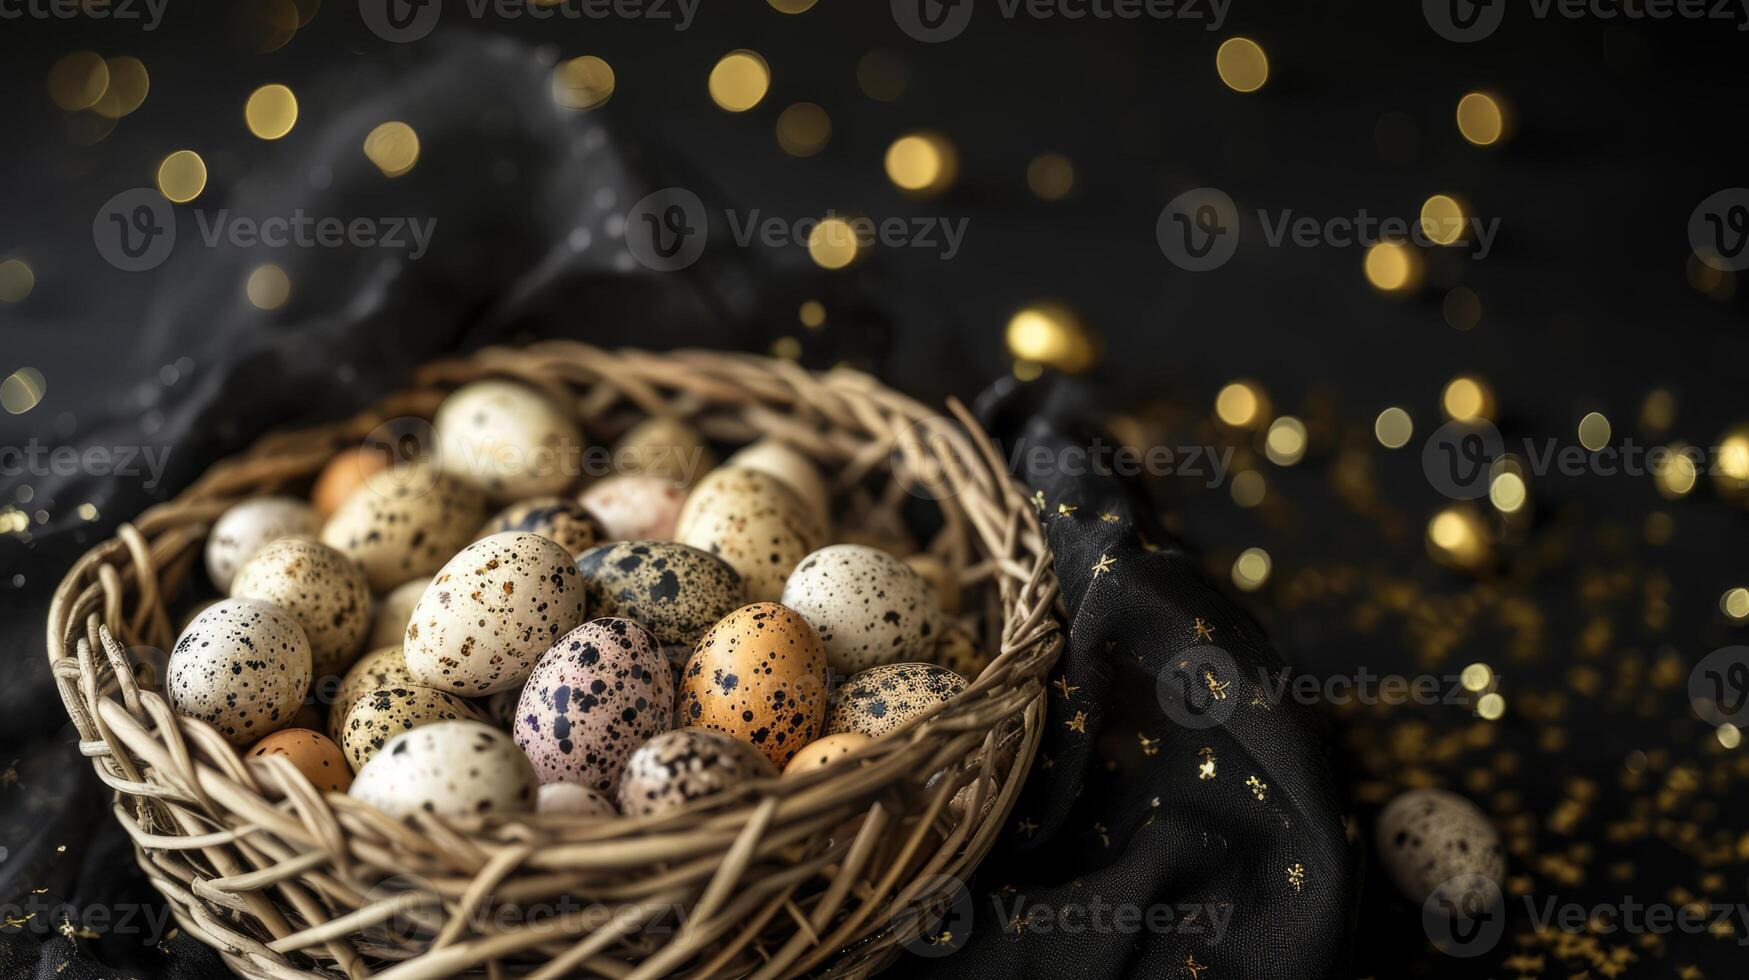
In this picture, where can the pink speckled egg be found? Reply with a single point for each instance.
(635, 507)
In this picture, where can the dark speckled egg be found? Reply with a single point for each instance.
(565, 521)
(597, 695)
(683, 765)
(759, 676)
(676, 592)
(380, 715)
(881, 699)
(868, 607)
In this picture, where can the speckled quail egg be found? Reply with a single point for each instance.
(944, 586)
(958, 652)
(879, 700)
(383, 667)
(320, 588)
(760, 676)
(404, 523)
(448, 769)
(377, 716)
(868, 607)
(635, 508)
(312, 753)
(1427, 837)
(676, 592)
(822, 752)
(573, 800)
(394, 611)
(491, 612)
(597, 695)
(249, 526)
(686, 764)
(564, 521)
(507, 440)
(344, 473)
(666, 448)
(242, 666)
(780, 459)
(755, 523)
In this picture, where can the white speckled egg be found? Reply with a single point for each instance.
(383, 667)
(754, 522)
(573, 800)
(686, 764)
(404, 523)
(566, 522)
(635, 508)
(247, 528)
(379, 715)
(242, 666)
(868, 607)
(507, 440)
(780, 459)
(676, 592)
(760, 676)
(448, 769)
(879, 700)
(666, 448)
(1427, 837)
(394, 611)
(491, 612)
(597, 695)
(321, 588)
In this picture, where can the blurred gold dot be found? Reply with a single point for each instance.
(1731, 471)
(1462, 308)
(22, 390)
(268, 287)
(271, 112)
(882, 76)
(803, 129)
(1467, 398)
(128, 85)
(87, 512)
(1477, 677)
(1480, 119)
(1659, 528)
(1392, 266)
(76, 81)
(791, 6)
(1456, 537)
(1491, 706)
(582, 83)
(1028, 370)
(1285, 444)
(1442, 219)
(1248, 488)
(786, 348)
(739, 81)
(1393, 428)
(1729, 735)
(1507, 492)
(1242, 64)
(1051, 334)
(16, 280)
(1251, 569)
(813, 314)
(1707, 273)
(1658, 411)
(1594, 431)
(1735, 603)
(1241, 405)
(1674, 472)
(182, 176)
(832, 244)
(394, 147)
(922, 163)
(1050, 176)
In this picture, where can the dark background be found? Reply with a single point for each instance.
(1620, 129)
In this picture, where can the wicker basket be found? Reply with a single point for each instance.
(823, 873)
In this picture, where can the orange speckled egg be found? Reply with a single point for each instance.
(758, 675)
(314, 754)
(344, 474)
(822, 752)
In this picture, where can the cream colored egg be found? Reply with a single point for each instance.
(868, 607)
(1428, 837)
(683, 765)
(242, 666)
(665, 448)
(320, 588)
(507, 440)
(394, 610)
(754, 522)
(777, 458)
(635, 508)
(377, 716)
(881, 700)
(249, 526)
(383, 667)
(822, 752)
(573, 800)
(404, 523)
(449, 769)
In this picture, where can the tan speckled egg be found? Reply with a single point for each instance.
(491, 612)
(344, 474)
(686, 764)
(760, 676)
(779, 459)
(573, 800)
(394, 611)
(450, 769)
(597, 695)
(1427, 837)
(958, 652)
(249, 526)
(676, 592)
(242, 666)
(868, 607)
(666, 448)
(380, 715)
(507, 440)
(383, 667)
(943, 585)
(879, 700)
(755, 523)
(314, 755)
(404, 523)
(635, 508)
(321, 588)
(566, 522)
(822, 752)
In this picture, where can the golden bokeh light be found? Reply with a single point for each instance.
(1658, 411)
(1674, 472)
(1285, 443)
(583, 83)
(1462, 308)
(1392, 267)
(271, 112)
(792, 6)
(1481, 119)
(1729, 735)
(1466, 397)
(1731, 468)
(128, 84)
(1594, 431)
(1735, 603)
(1507, 492)
(1249, 488)
(1053, 335)
(1242, 64)
(1393, 428)
(832, 243)
(812, 314)
(1251, 569)
(182, 176)
(1477, 677)
(16, 280)
(786, 349)
(803, 129)
(739, 81)
(922, 163)
(393, 146)
(1457, 538)
(1050, 176)
(1442, 219)
(1491, 707)
(22, 390)
(1242, 405)
(268, 287)
(76, 81)
(1708, 274)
